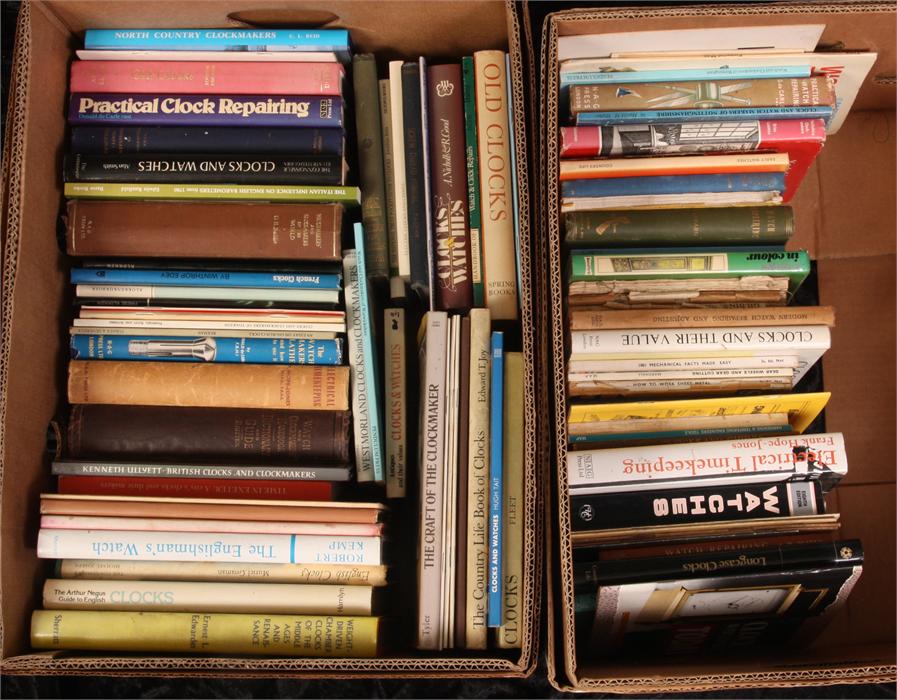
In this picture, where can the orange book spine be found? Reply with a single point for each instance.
(680, 165)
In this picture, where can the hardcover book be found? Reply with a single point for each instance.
(256, 472)
(395, 373)
(723, 114)
(415, 176)
(673, 185)
(495, 584)
(475, 207)
(400, 186)
(218, 193)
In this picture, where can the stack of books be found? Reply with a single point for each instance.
(697, 513)
(208, 439)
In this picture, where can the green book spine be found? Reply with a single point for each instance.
(229, 193)
(685, 263)
(370, 164)
(389, 175)
(680, 227)
(473, 180)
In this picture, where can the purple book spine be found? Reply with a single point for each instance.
(205, 110)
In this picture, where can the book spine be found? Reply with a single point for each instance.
(601, 319)
(229, 56)
(196, 332)
(199, 471)
(196, 488)
(209, 633)
(370, 164)
(586, 266)
(450, 484)
(203, 278)
(361, 413)
(688, 137)
(389, 177)
(462, 522)
(170, 292)
(186, 596)
(660, 116)
(579, 169)
(294, 387)
(218, 193)
(113, 140)
(655, 467)
(174, 167)
(199, 229)
(371, 360)
(397, 116)
(733, 559)
(226, 328)
(679, 74)
(674, 184)
(395, 373)
(207, 77)
(493, 135)
(684, 435)
(207, 434)
(675, 201)
(727, 373)
(433, 365)
(478, 470)
(680, 227)
(696, 95)
(450, 197)
(474, 206)
(696, 505)
(202, 110)
(495, 588)
(510, 634)
(414, 179)
(336, 40)
(430, 231)
(676, 386)
(121, 570)
(637, 364)
(77, 522)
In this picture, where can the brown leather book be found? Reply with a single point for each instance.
(448, 177)
(238, 435)
(295, 387)
(245, 230)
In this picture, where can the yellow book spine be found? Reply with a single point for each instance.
(206, 633)
(510, 633)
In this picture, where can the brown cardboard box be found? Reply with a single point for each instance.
(844, 215)
(34, 313)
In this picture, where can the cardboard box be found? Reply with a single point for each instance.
(844, 215)
(35, 298)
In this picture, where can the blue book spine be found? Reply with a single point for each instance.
(695, 433)
(369, 348)
(662, 76)
(206, 278)
(335, 40)
(496, 469)
(655, 116)
(205, 110)
(512, 141)
(674, 184)
(115, 140)
(259, 351)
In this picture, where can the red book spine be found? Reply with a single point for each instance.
(207, 77)
(801, 139)
(448, 178)
(197, 488)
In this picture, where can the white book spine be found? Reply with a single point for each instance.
(361, 415)
(211, 546)
(684, 364)
(728, 461)
(771, 373)
(432, 443)
(146, 291)
(222, 325)
(208, 332)
(662, 201)
(248, 56)
(190, 596)
(398, 168)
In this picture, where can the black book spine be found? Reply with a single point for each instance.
(587, 575)
(319, 267)
(696, 505)
(199, 303)
(202, 168)
(415, 174)
(110, 140)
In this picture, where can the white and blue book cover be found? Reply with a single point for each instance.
(658, 116)
(496, 475)
(512, 141)
(679, 74)
(369, 349)
(230, 39)
(205, 278)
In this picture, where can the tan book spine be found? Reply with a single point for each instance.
(676, 386)
(190, 596)
(601, 318)
(680, 165)
(477, 478)
(318, 574)
(510, 633)
(394, 373)
(493, 140)
(298, 387)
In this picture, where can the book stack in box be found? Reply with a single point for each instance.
(697, 502)
(257, 365)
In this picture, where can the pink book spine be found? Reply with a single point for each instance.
(779, 133)
(78, 522)
(207, 77)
